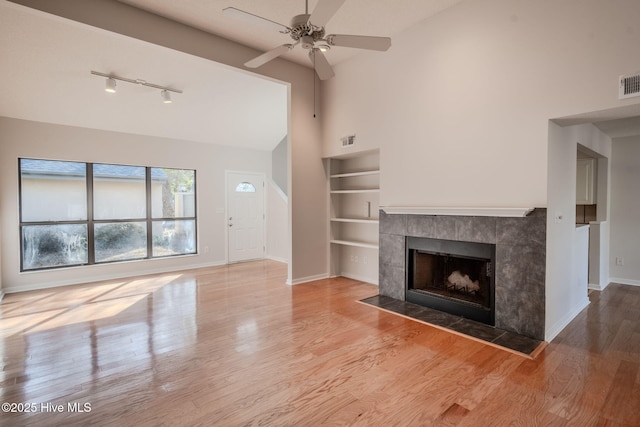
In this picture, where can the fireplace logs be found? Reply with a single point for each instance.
(462, 282)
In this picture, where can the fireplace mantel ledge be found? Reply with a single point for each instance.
(495, 212)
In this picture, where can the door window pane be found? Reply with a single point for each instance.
(174, 238)
(245, 187)
(52, 190)
(119, 192)
(173, 193)
(53, 245)
(118, 241)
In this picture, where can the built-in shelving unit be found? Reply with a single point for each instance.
(354, 202)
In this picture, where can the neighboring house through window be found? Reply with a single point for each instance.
(74, 213)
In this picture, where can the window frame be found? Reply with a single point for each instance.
(90, 222)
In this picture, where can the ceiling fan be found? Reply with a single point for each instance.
(307, 30)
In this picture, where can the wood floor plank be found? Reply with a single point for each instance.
(234, 345)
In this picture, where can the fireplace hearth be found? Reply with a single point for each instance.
(454, 277)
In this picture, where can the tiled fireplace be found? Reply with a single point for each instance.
(518, 267)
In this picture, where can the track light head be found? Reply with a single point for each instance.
(166, 96)
(110, 85)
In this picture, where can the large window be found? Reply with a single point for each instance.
(75, 213)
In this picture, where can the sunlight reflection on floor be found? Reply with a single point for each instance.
(39, 311)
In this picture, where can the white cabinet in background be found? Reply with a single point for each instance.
(586, 182)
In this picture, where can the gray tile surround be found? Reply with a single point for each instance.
(520, 260)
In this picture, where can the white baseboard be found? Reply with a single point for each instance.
(1, 295)
(55, 284)
(597, 287)
(277, 258)
(624, 281)
(361, 278)
(308, 279)
(553, 332)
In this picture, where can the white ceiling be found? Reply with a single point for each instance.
(45, 64)
(360, 17)
(620, 128)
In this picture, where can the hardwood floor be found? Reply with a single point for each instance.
(234, 345)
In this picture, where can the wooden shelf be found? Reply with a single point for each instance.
(352, 174)
(357, 220)
(354, 191)
(354, 243)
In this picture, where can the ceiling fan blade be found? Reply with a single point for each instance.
(324, 10)
(360, 42)
(254, 19)
(268, 56)
(320, 64)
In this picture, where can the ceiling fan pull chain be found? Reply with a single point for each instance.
(313, 76)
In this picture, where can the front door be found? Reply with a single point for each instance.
(245, 216)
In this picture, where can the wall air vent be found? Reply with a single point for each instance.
(629, 86)
(348, 141)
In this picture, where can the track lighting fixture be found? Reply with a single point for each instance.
(166, 97)
(110, 85)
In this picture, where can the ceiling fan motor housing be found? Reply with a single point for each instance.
(305, 32)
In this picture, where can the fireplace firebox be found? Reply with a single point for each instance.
(452, 276)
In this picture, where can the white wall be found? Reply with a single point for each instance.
(564, 296)
(22, 138)
(566, 293)
(625, 210)
(461, 101)
(277, 223)
(1, 286)
(307, 203)
(280, 164)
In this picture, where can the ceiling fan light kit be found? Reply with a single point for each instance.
(307, 30)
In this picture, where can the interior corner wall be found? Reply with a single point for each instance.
(307, 203)
(277, 224)
(461, 101)
(625, 210)
(279, 165)
(1, 287)
(28, 139)
(565, 294)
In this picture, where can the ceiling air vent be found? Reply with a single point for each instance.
(348, 141)
(629, 86)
